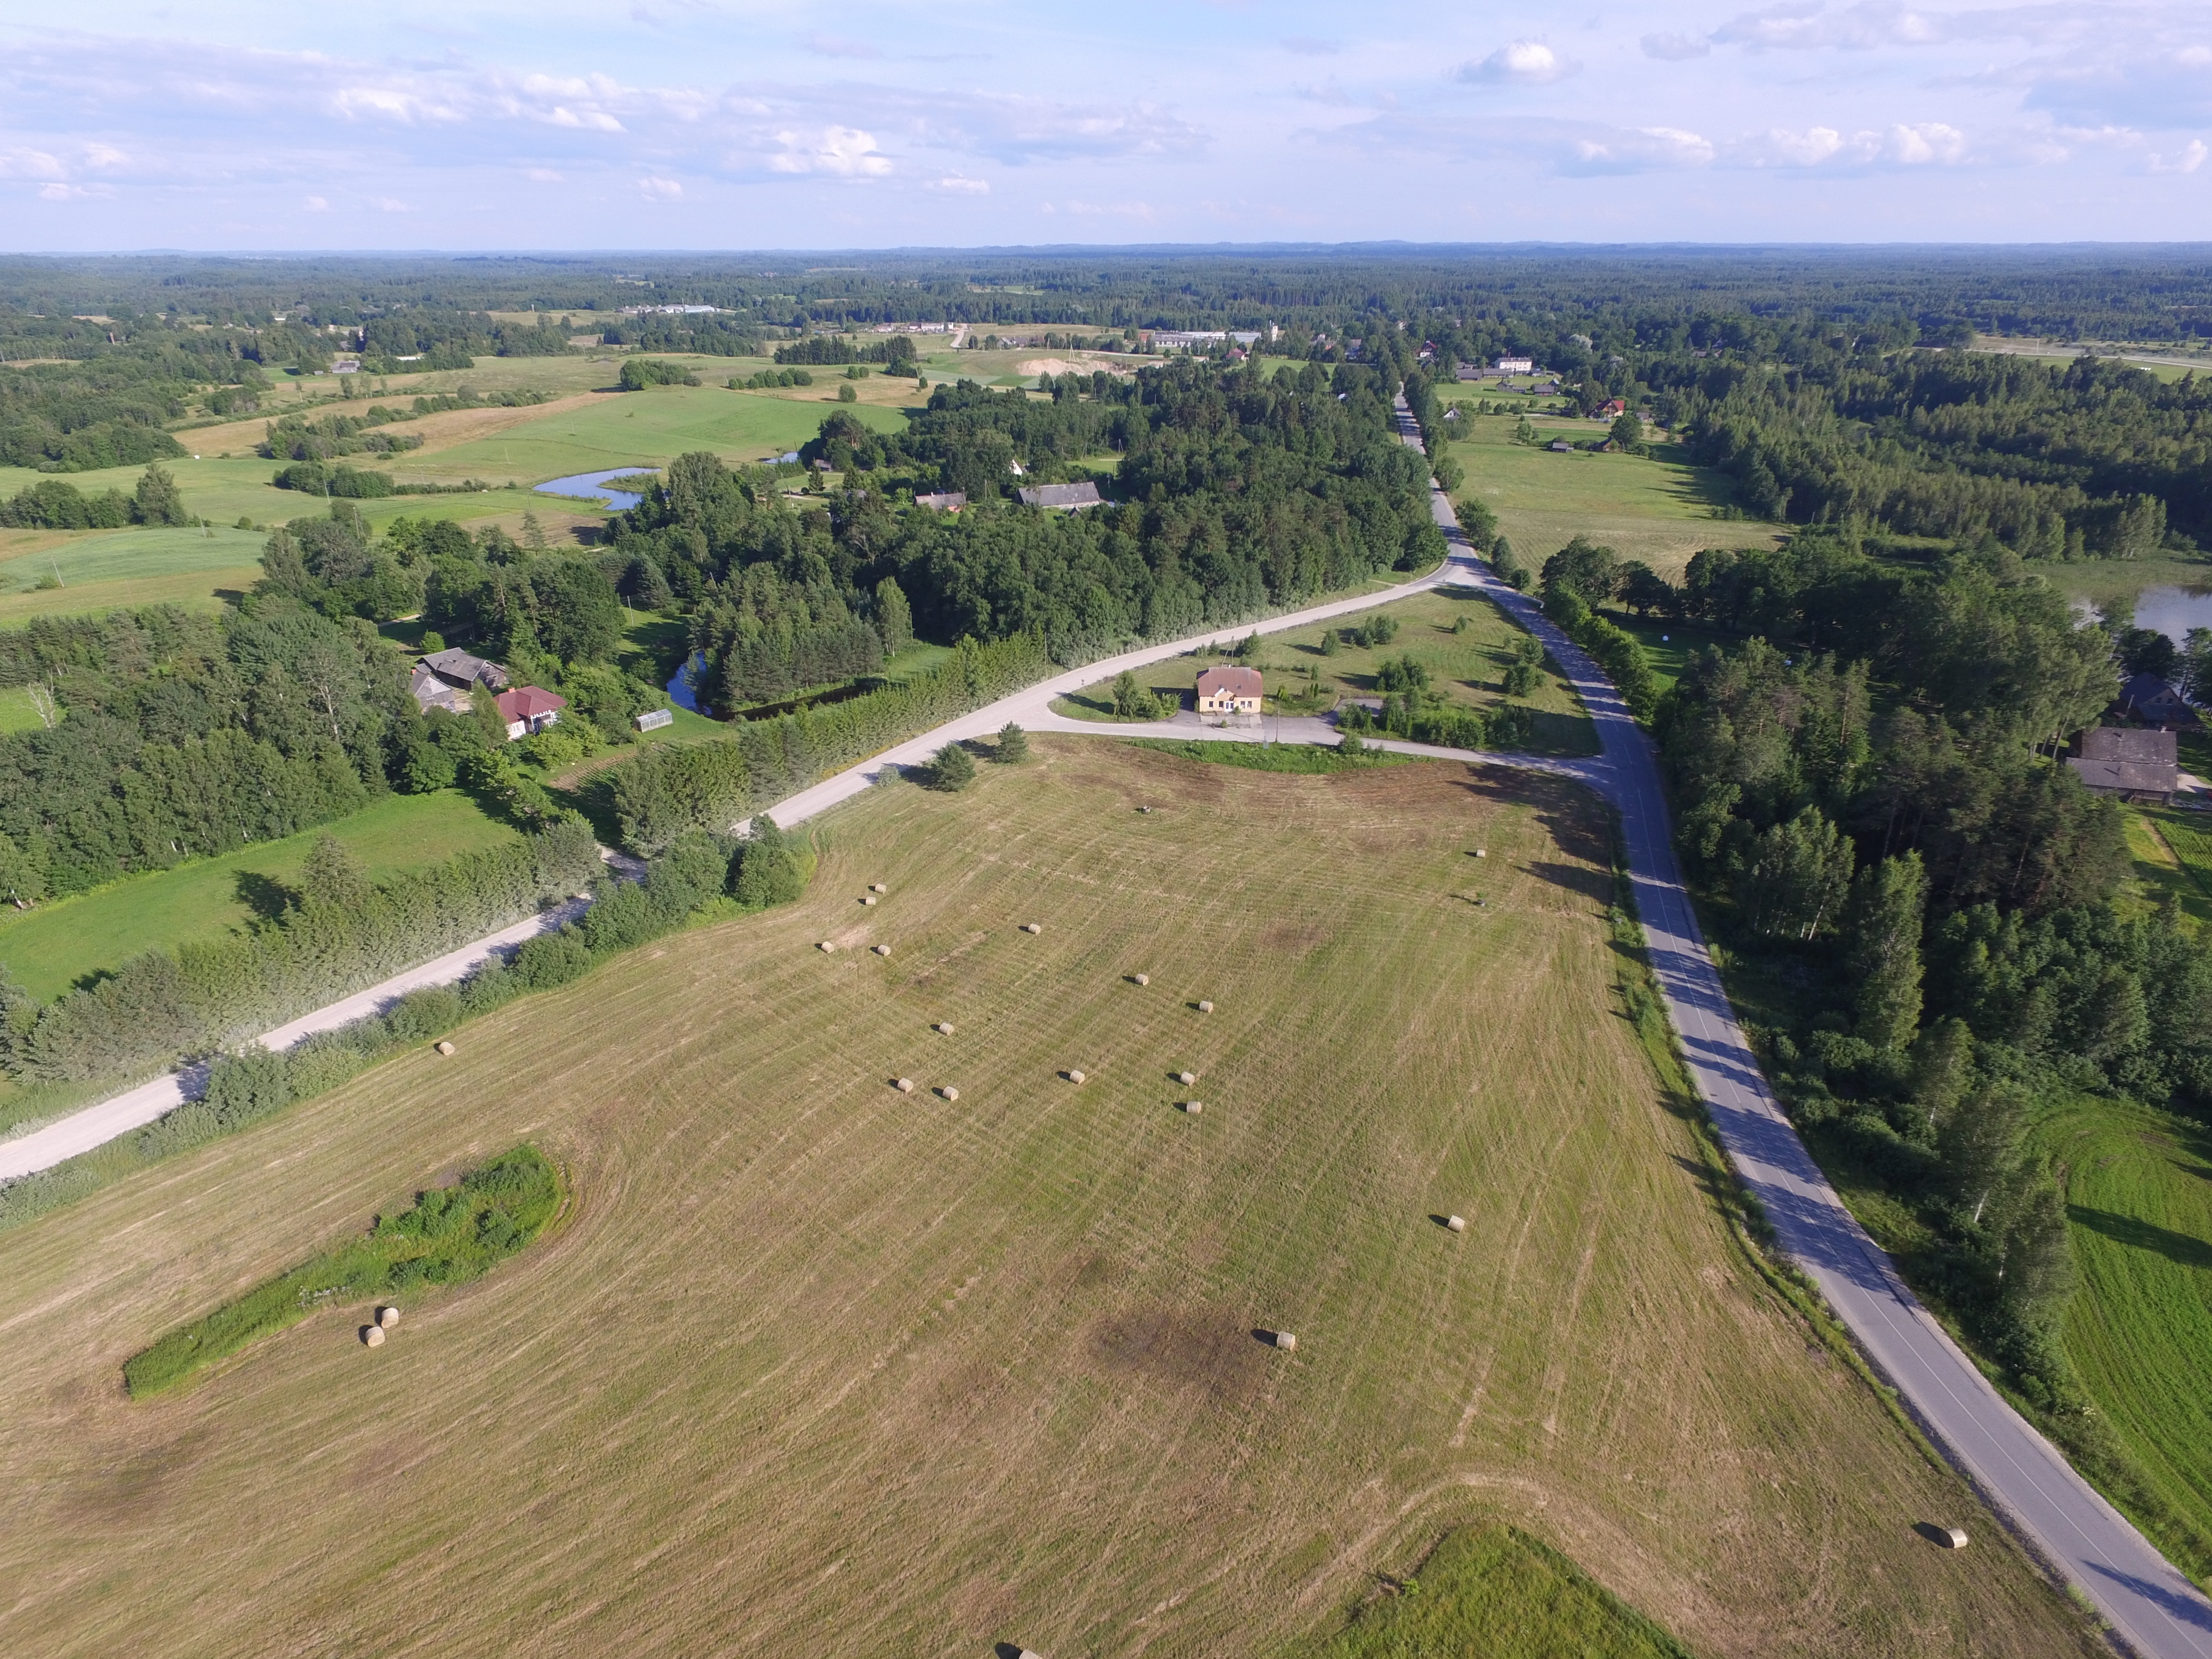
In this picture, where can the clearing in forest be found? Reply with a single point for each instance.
(814, 1364)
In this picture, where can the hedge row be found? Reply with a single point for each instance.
(1612, 648)
(667, 791)
(699, 875)
(163, 1005)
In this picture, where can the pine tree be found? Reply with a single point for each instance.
(1013, 745)
(952, 769)
(1886, 904)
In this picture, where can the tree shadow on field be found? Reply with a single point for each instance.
(266, 896)
(2131, 1231)
(1569, 812)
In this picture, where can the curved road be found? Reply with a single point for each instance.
(2153, 1609)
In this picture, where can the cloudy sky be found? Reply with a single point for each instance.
(726, 124)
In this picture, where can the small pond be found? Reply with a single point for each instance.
(591, 484)
(2170, 610)
(684, 689)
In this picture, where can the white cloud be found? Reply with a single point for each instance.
(957, 185)
(2191, 158)
(1778, 146)
(1920, 145)
(103, 158)
(833, 46)
(1643, 150)
(840, 152)
(318, 204)
(1675, 48)
(1306, 46)
(393, 204)
(660, 190)
(543, 176)
(62, 193)
(1522, 63)
(29, 164)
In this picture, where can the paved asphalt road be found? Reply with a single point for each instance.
(2153, 1609)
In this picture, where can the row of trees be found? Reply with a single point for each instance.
(50, 504)
(1869, 806)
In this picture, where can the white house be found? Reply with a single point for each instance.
(1516, 365)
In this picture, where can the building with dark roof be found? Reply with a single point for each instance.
(2146, 697)
(1067, 497)
(2133, 762)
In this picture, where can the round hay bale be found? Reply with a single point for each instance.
(868, 898)
(877, 887)
(373, 1335)
(1285, 1341)
(387, 1316)
(943, 1028)
(1140, 979)
(826, 946)
(1186, 1078)
(883, 950)
(1204, 1008)
(903, 1084)
(1073, 1076)
(444, 1048)
(1457, 1223)
(1480, 853)
(1032, 928)
(1954, 1538)
(948, 1091)
(1194, 1107)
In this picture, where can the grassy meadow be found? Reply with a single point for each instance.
(50, 948)
(816, 1365)
(2138, 1188)
(1467, 667)
(1656, 507)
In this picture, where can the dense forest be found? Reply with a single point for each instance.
(1241, 489)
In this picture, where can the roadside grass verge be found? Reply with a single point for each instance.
(1306, 758)
(449, 1236)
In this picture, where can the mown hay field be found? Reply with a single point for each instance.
(813, 1365)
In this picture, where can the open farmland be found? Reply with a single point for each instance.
(646, 428)
(814, 1366)
(1658, 508)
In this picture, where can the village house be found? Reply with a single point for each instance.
(1230, 691)
(529, 709)
(2134, 763)
(1517, 365)
(449, 680)
(946, 501)
(1067, 497)
(2148, 698)
(444, 679)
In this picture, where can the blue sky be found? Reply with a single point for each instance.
(702, 123)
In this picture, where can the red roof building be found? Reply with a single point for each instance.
(529, 709)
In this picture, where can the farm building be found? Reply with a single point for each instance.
(444, 680)
(948, 501)
(1517, 365)
(2130, 762)
(1067, 497)
(1562, 447)
(2148, 697)
(1229, 690)
(529, 709)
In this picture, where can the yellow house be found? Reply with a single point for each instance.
(1230, 691)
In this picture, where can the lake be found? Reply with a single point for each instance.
(2170, 610)
(589, 484)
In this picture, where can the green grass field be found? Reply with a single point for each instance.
(100, 569)
(833, 1369)
(1495, 1592)
(2139, 1190)
(1468, 668)
(648, 429)
(50, 948)
(1658, 508)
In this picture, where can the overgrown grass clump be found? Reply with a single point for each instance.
(449, 1236)
(1494, 1591)
(1274, 757)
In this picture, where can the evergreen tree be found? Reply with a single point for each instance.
(951, 770)
(1887, 903)
(1013, 745)
(157, 501)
